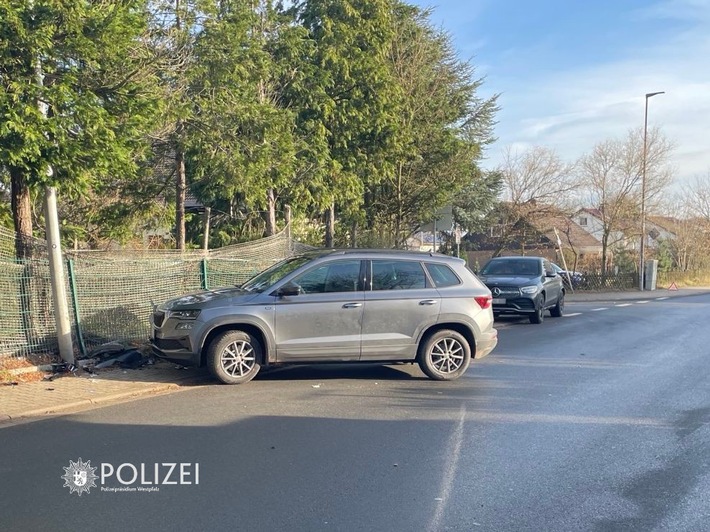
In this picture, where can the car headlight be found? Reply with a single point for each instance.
(529, 289)
(184, 314)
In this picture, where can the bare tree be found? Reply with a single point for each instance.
(691, 210)
(536, 176)
(696, 196)
(536, 184)
(611, 177)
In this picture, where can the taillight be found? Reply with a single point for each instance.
(484, 301)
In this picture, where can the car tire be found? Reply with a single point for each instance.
(233, 357)
(539, 314)
(444, 355)
(559, 308)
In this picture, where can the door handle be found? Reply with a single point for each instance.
(428, 302)
(352, 305)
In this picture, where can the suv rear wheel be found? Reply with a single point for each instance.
(444, 355)
(233, 357)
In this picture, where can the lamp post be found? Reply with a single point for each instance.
(643, 190)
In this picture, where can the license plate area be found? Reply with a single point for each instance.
(498, 301)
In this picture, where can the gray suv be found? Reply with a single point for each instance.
(524, 285)
(334, 306)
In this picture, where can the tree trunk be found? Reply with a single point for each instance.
(353, 235)
(21, 213)
(271, 213)
(330, 226)
(180, 194)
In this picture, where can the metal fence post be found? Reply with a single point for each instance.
(75, 306)
(205, 282)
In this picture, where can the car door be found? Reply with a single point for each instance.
(324, 321)
(399, 303)
(552, 285)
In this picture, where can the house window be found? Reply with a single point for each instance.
(582, 221)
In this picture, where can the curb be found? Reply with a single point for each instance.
(583, 297)
(65, 407)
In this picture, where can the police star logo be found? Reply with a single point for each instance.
(79, 477)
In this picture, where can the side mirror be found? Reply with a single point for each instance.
(288, 289)
(550, 273)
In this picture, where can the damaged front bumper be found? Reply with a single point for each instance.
(178, 350)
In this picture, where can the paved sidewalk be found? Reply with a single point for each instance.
(80, 390)
(633, 295)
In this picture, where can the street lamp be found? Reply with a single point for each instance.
(643, 189)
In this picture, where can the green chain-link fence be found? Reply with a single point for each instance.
(111, 293)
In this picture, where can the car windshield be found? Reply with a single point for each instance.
(512, 267)
(269, 277)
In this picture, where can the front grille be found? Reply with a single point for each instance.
(505, 291)
(158, 318)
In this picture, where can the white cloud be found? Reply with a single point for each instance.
(572, 110)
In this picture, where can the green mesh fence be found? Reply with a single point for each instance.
(26, 312)
(114, 292)
(114, 297)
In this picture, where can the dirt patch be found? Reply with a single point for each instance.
(20, 370)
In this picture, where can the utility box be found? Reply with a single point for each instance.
(650, 275)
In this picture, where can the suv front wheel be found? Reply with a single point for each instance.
(559, 308)
(444, 356)
(539, 313)
(233, 357)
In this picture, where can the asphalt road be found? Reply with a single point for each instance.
(599, 420)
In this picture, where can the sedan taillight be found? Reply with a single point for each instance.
(484, 301)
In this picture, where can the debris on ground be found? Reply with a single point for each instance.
(60, 370)
(114, 354)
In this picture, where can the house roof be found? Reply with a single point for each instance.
(668, 223)
(544, 219)
(570, 233)
(594, 212)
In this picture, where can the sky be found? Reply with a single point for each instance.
(573, 73)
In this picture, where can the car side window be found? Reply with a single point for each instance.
(397, 275)
(442, 275)
(339, 276)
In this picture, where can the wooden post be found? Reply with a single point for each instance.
(287, 211)
(206, 233)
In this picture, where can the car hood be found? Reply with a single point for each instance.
(509, 280)
(236, 296)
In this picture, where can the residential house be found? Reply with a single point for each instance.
(627, 235)
(542, 230)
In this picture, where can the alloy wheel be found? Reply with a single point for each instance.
(447, 355)
(238, 358)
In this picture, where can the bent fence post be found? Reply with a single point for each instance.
(205, 282)
(75, 306)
